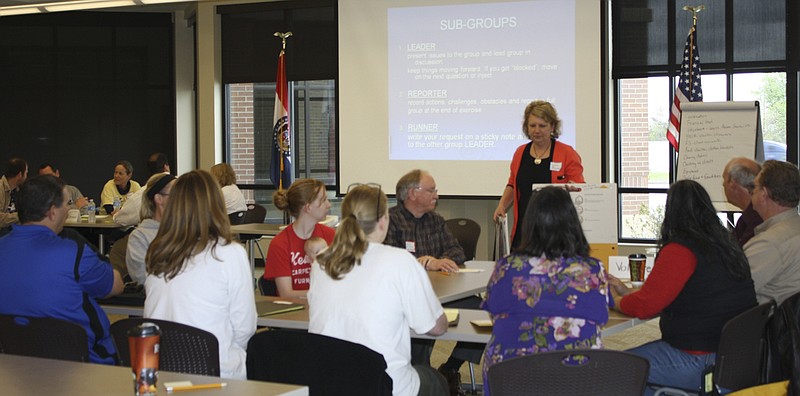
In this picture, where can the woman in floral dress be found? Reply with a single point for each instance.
(548, 294)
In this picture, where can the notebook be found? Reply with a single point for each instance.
(452, 316)
(265, 308)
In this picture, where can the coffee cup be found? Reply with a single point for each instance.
(636, 266)
(144, 344)
(74, 216)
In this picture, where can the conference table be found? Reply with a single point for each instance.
(470, 281)
(24, 376)
(102, 225)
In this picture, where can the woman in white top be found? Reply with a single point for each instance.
(197, 275)
(368, 293)
(226, 177)
(154, 201)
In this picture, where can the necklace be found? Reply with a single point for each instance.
(538, 157)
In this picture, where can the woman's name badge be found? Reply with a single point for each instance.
(411, 247)
(555, 166)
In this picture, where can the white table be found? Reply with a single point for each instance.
(25, 376)
(102, 224)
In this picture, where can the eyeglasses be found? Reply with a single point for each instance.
(430, 190)
(377, 202)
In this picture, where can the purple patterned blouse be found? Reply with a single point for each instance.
(541, 305)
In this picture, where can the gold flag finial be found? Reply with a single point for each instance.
(694, 10)
(283, 37)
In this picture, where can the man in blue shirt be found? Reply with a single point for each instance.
(44, 275)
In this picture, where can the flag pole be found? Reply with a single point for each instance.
(694, 10)
(689, 88)
(282, 135)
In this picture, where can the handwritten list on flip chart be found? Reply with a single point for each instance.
(712, 134)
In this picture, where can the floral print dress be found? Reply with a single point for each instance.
(541, 305)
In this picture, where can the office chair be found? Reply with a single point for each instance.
(327, 365)
(183, 348)
(741, 353)
(595, 372)
(237, 217)
(43, 337)
(255, 214)
(267, 287)
(467, 232)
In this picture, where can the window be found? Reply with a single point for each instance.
(249, 65)
(743, 57)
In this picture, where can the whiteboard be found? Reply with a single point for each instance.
(596, 205)
(711, 134)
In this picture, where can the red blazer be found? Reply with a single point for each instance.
(571, 171)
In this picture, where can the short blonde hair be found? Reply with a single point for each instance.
(544, 110)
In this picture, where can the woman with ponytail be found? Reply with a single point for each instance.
(368, 293)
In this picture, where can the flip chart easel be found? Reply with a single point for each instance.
(711, 134)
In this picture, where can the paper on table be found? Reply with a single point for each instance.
(452, 316)
(98, 217)
(482, 322)
(470, 270)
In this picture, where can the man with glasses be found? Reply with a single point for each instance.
(774, 251)
(416, 227)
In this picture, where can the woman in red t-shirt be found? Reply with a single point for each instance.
(287, 263)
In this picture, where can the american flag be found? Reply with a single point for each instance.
(689, 88)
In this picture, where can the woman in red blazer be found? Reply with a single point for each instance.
(542, 160)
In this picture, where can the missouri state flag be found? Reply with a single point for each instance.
(281, 167)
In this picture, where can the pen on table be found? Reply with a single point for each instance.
(445, 273)
(196, 387)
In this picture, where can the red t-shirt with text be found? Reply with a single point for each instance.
(286, 256)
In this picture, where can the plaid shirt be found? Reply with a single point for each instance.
(429, 235)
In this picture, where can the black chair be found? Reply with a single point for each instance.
(467, 232)
(255, 214)
(783, 338)
(237, 217)
(741, 354)
(594, 372)
(327, 365)
(183, 348)
(43, 337)
(267, 287)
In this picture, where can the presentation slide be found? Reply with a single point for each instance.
(460, 75)
(441, 85)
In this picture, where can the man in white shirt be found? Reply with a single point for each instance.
(128, 214)
(774, 251)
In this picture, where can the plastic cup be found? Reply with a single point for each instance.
(636, 265)
(143, 343)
